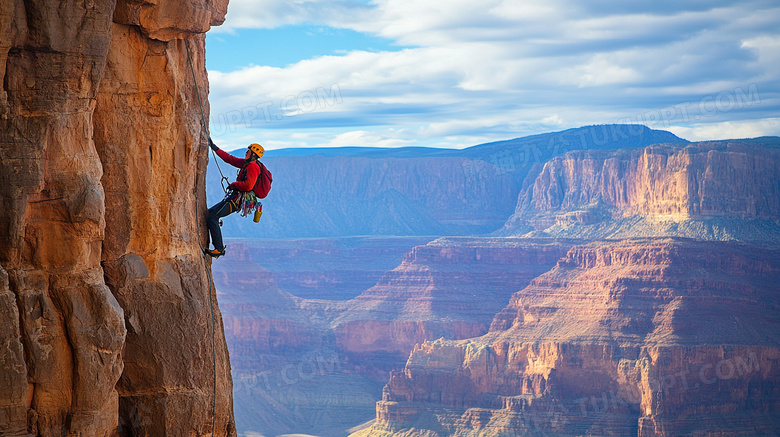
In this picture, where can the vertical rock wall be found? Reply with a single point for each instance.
(105, 317)
(712, 179)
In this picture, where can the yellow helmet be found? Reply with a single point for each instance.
(257, 149)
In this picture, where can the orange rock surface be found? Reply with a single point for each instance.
(717, 190)
(103, 293)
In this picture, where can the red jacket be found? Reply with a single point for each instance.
(248, 173)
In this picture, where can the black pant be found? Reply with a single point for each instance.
(225, 207)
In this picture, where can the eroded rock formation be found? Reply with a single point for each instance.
(449, 288)
(648, 337)
(638, 337)
(723, 190)
(106, 323)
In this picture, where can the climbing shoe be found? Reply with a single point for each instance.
(214, 253)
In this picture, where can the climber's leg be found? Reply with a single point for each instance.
(224, 208)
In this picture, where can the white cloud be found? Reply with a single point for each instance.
(767, 51)
(364, 138)
(501, 68)
(269, 14)
(597, 72)
(552, 121)
(728, 130)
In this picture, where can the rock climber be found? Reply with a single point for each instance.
(238, 192)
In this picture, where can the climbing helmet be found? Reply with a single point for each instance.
(257, 149)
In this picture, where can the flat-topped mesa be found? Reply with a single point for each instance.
(101, 178)
(638, 337)
(712, 190)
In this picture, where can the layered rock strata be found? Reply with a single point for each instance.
(450, 288)
(106, 324)
(723, 190)
(639, 337)
(264, 324)
(288, 378)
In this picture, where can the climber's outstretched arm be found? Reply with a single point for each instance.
(227, 157)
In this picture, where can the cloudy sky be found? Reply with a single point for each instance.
(455, 73)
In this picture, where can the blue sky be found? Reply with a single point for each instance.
(392, 73)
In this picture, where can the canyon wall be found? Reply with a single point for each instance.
(718, 190)
(322, 196)
(658, 337)
(451, 288)
(106, 326)
(324, 268)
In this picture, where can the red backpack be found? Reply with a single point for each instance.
(263, 184)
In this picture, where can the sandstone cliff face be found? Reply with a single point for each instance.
(104, 295)
(638, 337)
(713, 190)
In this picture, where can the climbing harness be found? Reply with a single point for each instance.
(208, 270)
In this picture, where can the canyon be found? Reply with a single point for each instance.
(723, 190)
(109, 320)
(291, 354)
(608, 280)
(559, 329)
(633, 337)
(627, 334)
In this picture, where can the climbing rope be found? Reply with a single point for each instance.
(202, 250)
(203, 119)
